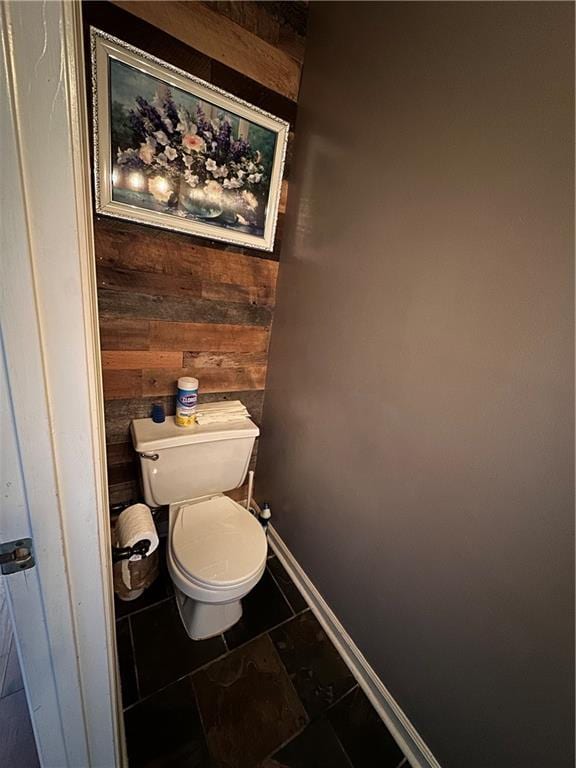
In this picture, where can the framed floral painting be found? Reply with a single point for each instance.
(173, 151)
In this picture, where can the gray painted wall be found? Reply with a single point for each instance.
(417, 440)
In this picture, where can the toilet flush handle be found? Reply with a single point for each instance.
(151, 456)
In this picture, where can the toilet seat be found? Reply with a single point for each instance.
(216, 543)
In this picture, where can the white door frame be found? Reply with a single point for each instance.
(50, 334)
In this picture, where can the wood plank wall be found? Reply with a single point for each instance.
(171, 304)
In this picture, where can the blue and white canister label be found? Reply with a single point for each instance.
(186, 400)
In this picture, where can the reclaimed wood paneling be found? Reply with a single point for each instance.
(120, 453)
(205, 337)
(121, 384)
(283, 196)
(252, 16)
(223, 359)
(114, 303)
(220, 38)
(128, 360)
(121, 245)
(282, 24)
(123, 473)
(233, 268)
(124, 333)
(152, 283)
(259, 295)
(123, 493)
(173, 304)
(288, 159)
(293, 14)
(162, 382)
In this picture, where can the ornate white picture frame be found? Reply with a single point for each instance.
(176, 152)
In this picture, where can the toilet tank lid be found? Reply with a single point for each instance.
(147, 436)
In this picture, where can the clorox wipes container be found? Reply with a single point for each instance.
(186, 401)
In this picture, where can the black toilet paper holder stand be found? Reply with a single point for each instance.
(124, 553)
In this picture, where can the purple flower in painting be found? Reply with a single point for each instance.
(173, 146)
(151, 113)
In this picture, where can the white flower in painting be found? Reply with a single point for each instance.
(161, 138)
(182, 125)
(254, 178)
(211, 165)
(240, 173)
(250, 199)
(146, 152)
(188, 160)
(219, 172)
(191, 179)
(171, 153)
(160, 188)
(161, 159)
(233, 183)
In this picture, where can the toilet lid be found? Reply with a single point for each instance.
(218, 542)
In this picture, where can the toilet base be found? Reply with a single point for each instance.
(204, 620)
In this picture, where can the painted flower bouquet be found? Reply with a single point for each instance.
(192, 164)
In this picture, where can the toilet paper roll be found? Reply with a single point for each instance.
(126, 574)
(134, 524)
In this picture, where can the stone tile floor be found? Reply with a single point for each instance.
(271, 692)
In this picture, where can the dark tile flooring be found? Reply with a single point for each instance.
(271, 692)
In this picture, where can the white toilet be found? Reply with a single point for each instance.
(216, 549)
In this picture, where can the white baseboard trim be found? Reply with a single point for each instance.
(406, 736)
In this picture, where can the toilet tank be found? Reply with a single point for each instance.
(182, 463)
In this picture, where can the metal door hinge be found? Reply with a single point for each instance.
(16, 556)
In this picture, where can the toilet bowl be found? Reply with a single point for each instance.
(216, 548)
(216, 555)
